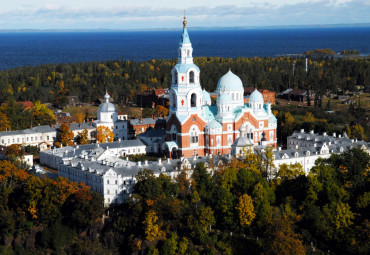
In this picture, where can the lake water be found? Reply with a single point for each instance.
(22, 49)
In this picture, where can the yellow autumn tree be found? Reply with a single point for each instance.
(82, 137)
(161, 110)
(42, 114)
(246, 210)
(152, 230)
(104, 134)
(80, 116)
(309, 117)
(65, 136)
(4, 122)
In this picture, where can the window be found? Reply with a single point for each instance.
(175, 77)
(174, 137)
(194, 119)
(229, 139)
(191, 77)
(207, 140)
(230, 127)
(27, 139)
(194, 136)
(138, 150)
(17, 140)
(188, 53)
(115, 181)
(111, 116)
(174, 100)
(193, 100)
(108, 199)
(218, 140)
(107, 181)
(115, 191)
(116, 127)
(108, 192)
(232, 96)
(47, 138)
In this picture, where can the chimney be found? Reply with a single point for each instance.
(279, 148)
(146, 162)
(168, 160)
(339, 136)
(324, 134)
(334, 134)
(139, 163)
(311, 132)
(159, 161)
(127, 158)
(302, 130)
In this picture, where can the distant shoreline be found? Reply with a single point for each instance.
(357, 25)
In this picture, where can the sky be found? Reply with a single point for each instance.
(146, 14)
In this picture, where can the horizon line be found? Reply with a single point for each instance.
(338, 25)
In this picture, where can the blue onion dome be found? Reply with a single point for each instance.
(205, 96)
(230, 81)
(225, 99)
(256, 96)
(107, 106)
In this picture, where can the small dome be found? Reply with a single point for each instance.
(230, 81)
(107, 106)
(225, 99)
(205, 96)
(243, 129)
(256, 96)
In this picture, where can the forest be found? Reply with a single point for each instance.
(52, 83)
(246, 207)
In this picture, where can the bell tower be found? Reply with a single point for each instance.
(185, 93)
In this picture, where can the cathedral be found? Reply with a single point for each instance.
(195, 127)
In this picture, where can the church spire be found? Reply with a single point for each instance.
(184, 22)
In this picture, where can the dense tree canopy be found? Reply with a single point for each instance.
(123, 79)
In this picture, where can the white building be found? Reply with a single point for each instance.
(114, 178)
(52, 158)
(41, 136)
(107, 116)
(306, 148)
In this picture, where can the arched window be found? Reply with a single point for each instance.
(173, 100)
(193, 100)
(191, 77)
(175, 77)
(188, 53)
(194, 136)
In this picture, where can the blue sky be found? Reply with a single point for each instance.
(139, 14)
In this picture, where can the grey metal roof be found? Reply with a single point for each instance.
(34, 130)
(153, 133)
(146, 121)
(86, 149)
(78, 126)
